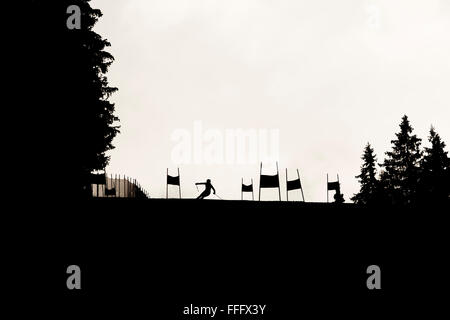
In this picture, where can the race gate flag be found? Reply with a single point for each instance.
(333, 186)
(174, 181)
(266, 181)
(246, 188)
(293, 185)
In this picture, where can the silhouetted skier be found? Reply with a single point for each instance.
(207, 191)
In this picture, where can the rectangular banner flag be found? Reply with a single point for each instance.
(110, 192)
(269, 181)
(248, 188)
(173, 180)
(294, 185)
(333, 185)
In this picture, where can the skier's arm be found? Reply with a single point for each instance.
(214, 190)
(200, 183)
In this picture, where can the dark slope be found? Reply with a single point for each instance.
(152, 257)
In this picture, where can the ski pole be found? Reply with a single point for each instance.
(218, 196)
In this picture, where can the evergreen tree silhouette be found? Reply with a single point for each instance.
(402, 166)
(435, 181)
(369, 191)
(338, 197)
(65, 108)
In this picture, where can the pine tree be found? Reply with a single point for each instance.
(401, 167)
(66, 108)
(368, 193)
(434, 184)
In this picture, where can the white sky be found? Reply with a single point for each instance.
(330, 75)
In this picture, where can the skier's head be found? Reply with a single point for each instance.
(208, 181)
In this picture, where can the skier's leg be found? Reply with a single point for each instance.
(203, 194)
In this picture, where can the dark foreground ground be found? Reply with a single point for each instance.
(150, 258)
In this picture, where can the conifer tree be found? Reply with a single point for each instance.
(402, 165)
(368, 193)
(65, 104)
(435, 182)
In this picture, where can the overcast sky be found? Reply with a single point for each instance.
(329, 75)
